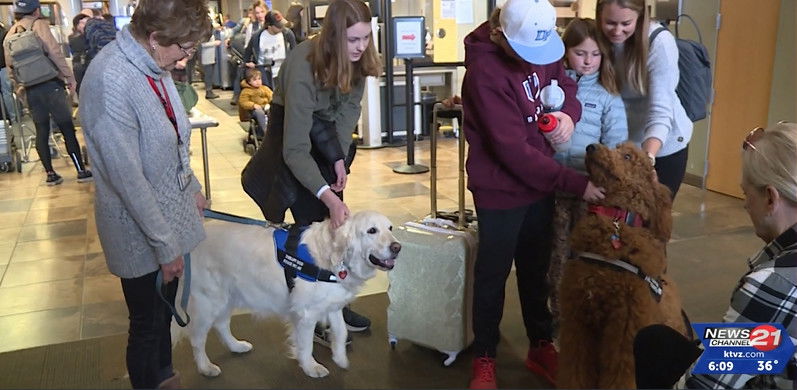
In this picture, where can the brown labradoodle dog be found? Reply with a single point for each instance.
(604, 296)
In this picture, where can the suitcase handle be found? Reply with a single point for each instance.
(461, 222)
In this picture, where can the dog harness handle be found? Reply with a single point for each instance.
(653, 284)
(292, 263)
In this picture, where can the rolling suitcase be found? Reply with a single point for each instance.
(431, 287)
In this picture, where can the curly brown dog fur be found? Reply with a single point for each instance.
(602, 308)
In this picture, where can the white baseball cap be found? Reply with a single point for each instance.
(530, 28)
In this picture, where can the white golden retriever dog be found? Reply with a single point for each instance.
(236, 268)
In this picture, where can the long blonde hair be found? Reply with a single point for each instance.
(635, 51)
(329, 57)
(771, 161)
(576, 32)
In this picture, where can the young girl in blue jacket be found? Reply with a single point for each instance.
(602, 121)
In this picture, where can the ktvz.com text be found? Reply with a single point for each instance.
(743, 355)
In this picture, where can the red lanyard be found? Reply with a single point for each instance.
(167, 106)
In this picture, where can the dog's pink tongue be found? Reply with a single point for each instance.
(390, 262)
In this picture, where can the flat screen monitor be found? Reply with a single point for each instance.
(121, 21)
(320, 10)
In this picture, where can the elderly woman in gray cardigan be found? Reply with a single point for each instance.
(146, 197)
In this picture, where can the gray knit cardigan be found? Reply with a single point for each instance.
(143, 217)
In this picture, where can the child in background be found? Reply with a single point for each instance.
(602, 121)
(255, 99)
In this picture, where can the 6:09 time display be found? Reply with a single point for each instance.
(720, 366)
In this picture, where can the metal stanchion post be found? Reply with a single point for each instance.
(410, 166)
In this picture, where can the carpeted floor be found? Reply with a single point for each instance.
(99, 363)
(223, 103)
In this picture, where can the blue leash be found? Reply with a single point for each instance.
(234, 218)
(160, 287)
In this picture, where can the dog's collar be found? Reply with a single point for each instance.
(654, 284)
(629, 217)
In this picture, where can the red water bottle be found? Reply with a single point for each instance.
(547, 123)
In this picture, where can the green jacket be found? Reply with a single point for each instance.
(297, 90)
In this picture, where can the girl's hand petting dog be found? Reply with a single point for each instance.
(593, 193)
(338, 211)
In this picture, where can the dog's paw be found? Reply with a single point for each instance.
(342, 361)
(241, 347)
(210, 370)
(315, 370)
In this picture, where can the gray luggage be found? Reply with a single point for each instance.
(431, 288)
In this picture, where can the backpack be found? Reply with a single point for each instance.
(694, 85)
(29, 60)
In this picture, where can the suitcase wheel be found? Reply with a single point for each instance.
(452, 356)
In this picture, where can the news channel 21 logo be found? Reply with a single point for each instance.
(743, 348)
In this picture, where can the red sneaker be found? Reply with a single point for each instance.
(543, 360)
(483, 373)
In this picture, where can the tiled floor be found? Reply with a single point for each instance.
(55, 286)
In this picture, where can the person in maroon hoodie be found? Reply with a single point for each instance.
(512, 173)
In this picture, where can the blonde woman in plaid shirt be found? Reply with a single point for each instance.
(768, 292)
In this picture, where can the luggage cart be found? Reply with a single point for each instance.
(10, 157)
(24, 135)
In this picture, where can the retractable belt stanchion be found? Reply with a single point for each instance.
(410, 167)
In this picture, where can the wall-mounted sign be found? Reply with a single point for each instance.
(409, 39)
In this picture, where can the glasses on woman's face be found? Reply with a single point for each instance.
(187, 51)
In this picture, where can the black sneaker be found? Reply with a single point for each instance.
(211, 95)
(84, 176)
(323, 336)
(355, 322)
(54, 179)
(234, 101)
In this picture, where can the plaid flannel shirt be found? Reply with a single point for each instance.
(766, 293)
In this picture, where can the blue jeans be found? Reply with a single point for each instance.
(236, 83)
(208, 77)
(262, 121)
(50, 99)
